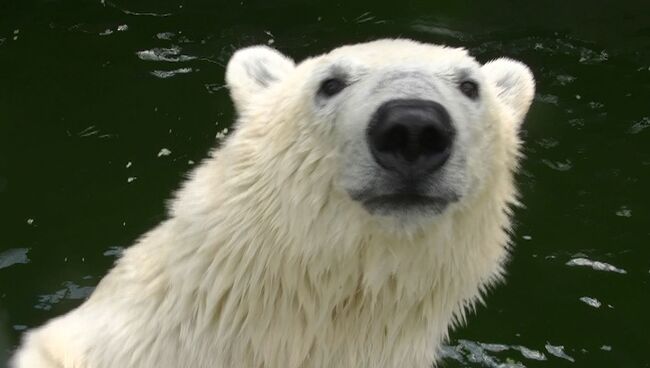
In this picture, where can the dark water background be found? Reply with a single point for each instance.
(105, 105)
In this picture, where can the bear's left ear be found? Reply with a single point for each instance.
(515, 85)
(251, 70)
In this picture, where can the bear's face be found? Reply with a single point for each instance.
(416, 127)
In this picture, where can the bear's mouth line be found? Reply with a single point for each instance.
(405, 200)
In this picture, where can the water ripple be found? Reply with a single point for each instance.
(164, 152)
(171, 54)
(93, 131)
(548, 99)
(596, 265)
(496, 355)
(639, 126)
(114, 251)
(593, 302)
(165, 36)
(130, 12)
(164, 74)
(13, 256)
(429, 27)
(557, 165)
(558, 351)
(70, 291)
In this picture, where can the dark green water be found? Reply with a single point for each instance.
(93, 94)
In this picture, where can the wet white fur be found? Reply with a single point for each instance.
(266, 262)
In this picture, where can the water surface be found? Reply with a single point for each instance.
(106, 105)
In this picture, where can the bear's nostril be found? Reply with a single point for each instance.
(411, 136)
(395, 139)
(432, 141)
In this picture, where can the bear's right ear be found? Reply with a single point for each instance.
(251, 70)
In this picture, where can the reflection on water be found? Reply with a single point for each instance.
(172, 54)
(624, 211)
(129, 12)
(558, 165)
(13, 256)
(164, 152)
(502, 355)
(70, 291)
(640, 125)
(558, 351)
(598, 266)
(93, 131)
(109, 31)
(591, 301)
(163, 74)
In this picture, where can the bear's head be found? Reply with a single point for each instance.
(408, 130)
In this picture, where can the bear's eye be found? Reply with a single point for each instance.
(332, 86)
(469, 89)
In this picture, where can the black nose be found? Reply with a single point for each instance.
(411, 136)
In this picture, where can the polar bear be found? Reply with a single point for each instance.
(360, 208)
